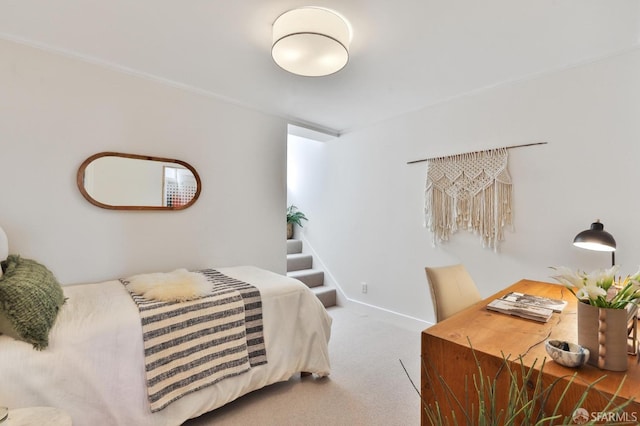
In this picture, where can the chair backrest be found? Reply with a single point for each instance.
(452, 290)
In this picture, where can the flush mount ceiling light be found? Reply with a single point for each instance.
(311, 41)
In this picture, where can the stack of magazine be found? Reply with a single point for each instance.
(527, 306)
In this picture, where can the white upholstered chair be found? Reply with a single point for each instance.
(452, 290)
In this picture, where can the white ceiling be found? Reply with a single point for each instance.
(405, 54)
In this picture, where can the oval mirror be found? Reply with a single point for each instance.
(113, 180)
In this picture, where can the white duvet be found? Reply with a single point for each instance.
(94, 365)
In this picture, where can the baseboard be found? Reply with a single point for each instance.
(387, 315)
(375, 312)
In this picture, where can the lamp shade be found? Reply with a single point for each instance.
(311, 41)
(595, 238)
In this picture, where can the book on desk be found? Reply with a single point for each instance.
(527, 306)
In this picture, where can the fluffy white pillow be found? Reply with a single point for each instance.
(176, 286)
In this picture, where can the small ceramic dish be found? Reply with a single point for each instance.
(566, 353)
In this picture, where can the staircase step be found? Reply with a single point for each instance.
(294, 246)
(327, 295)
(311, 277)
(298, 261)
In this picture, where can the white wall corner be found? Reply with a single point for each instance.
(375, 312)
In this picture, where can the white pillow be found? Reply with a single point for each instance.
(176, 286)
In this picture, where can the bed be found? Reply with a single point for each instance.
(93, 367)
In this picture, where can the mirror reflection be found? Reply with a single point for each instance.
(134, 182)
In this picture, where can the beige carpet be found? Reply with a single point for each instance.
(367, 386)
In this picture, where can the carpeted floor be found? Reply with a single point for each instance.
(367, 385)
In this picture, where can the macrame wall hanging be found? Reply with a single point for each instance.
(469, 191)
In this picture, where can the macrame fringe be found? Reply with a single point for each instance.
(471, 192)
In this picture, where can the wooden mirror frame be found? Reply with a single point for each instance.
(85, 194)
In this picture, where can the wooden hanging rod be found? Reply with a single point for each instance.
(478, 152)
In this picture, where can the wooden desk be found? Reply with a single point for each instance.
(446, 350)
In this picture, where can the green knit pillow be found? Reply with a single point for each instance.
(30, 298)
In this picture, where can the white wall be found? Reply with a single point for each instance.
(365, 204)
(56, 111)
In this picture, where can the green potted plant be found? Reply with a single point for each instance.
(294, 216)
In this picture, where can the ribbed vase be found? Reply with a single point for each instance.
(604, 332)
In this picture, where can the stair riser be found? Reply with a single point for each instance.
(294, 246)
(299, 263)
(310, 278)
(327, 297)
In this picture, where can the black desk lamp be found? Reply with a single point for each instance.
(596, 238)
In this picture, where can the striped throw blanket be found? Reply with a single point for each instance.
(194, 344)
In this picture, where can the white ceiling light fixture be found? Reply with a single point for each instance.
(311, 41)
